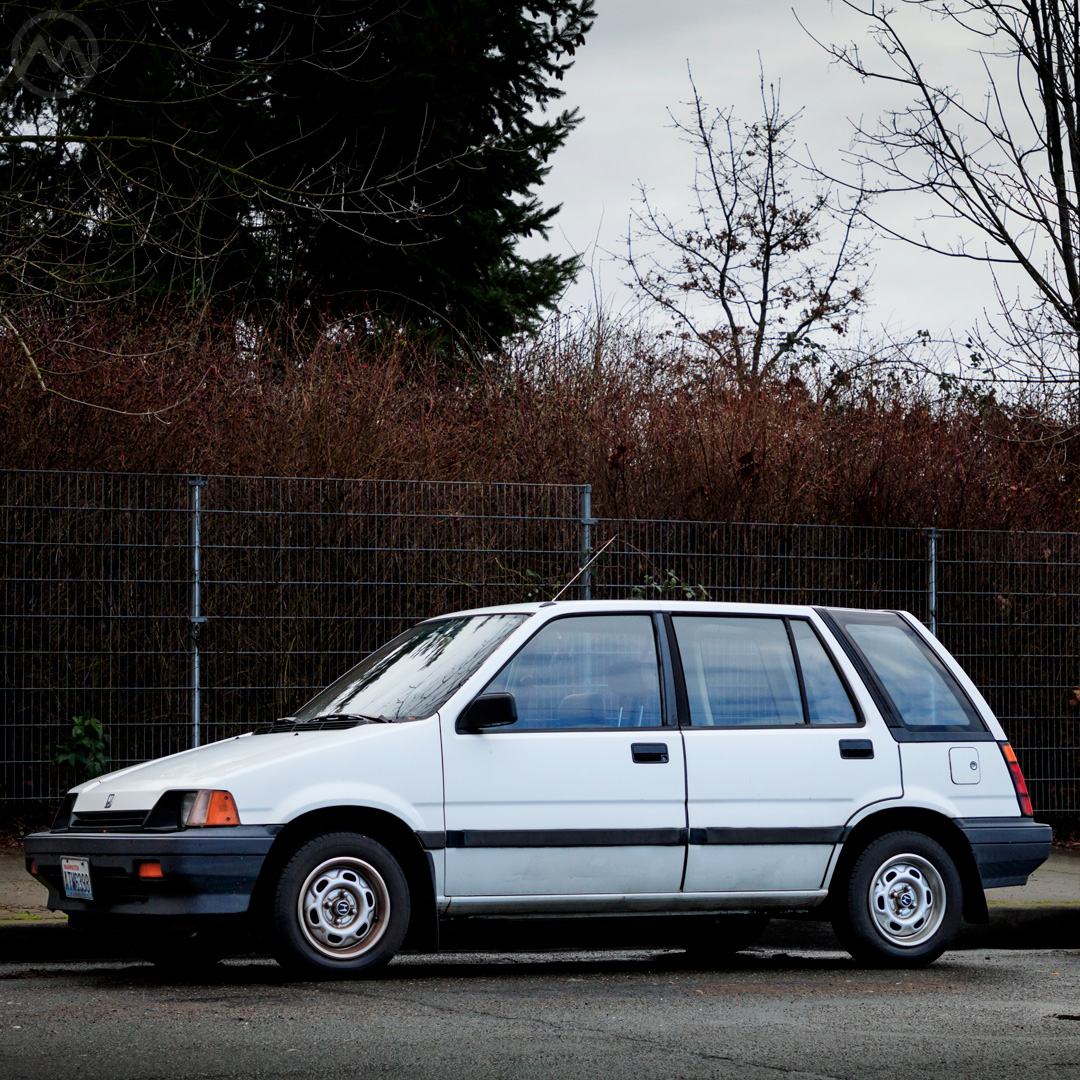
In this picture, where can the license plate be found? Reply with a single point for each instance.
(77, 878)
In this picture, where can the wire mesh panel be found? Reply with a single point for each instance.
(1009, 610)
(1007, 605)
(302, 578)
(183, 608)
(94, 590)
(794, 564)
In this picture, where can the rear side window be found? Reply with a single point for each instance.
(922, 691)
(827, 699)
(758, 672)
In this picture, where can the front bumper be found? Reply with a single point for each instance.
(209, 871)
(1007, 850)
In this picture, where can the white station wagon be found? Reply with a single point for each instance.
(708, 765)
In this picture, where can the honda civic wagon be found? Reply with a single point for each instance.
(704, 765)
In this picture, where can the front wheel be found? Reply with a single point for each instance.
(902, 902)
(341, 907)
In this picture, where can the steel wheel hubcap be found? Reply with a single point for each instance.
(344, 908)
(907, 900)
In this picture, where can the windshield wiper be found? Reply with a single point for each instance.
(358, 718)
(322, 722)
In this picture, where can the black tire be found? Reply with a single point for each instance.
(341, 907)
(717, 940)
(902, 903)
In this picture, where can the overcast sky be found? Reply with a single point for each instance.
(634, 67)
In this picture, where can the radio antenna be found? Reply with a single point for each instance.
(583, 569)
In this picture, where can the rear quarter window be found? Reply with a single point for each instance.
(922, 692)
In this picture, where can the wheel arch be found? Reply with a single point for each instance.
(930, 823)
(390, 831)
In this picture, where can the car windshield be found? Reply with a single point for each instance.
(414, 675)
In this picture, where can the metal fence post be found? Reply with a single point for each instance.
(195, 484)
(931, 582)
(587, 522)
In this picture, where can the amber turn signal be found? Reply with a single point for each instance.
(222, 809)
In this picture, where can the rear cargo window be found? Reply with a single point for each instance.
(923, 693)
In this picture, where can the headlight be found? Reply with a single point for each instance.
(207, 807)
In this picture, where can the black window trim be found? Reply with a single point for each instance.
(680, 676)
(669, 673)
(798, 671)
(682, 699)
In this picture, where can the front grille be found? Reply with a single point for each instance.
(108, 821)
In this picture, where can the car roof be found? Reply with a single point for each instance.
(574, 607)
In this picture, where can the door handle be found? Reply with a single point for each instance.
(649, 753)
(856, 748)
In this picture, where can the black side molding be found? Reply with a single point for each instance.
(540, 838)
(711, 836)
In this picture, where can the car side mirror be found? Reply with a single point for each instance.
(487, 711)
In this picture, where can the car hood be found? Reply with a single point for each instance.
(219, 764)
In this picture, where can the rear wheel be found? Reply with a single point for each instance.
(341, 907)
(901, 904)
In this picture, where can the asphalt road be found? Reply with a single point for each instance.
(641, 1014)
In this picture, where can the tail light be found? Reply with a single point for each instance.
(1019, 784)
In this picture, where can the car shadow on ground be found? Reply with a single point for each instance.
(457, 967)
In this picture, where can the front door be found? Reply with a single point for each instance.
(584, 796)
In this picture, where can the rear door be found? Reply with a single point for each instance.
(584, 796)
(780, 752)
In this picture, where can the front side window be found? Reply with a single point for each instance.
(759, 672)
(413, 676)
(585, 671)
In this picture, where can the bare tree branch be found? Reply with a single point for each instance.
(1007, 171)
(753, 277)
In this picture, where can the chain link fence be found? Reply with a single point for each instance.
(180, 610)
